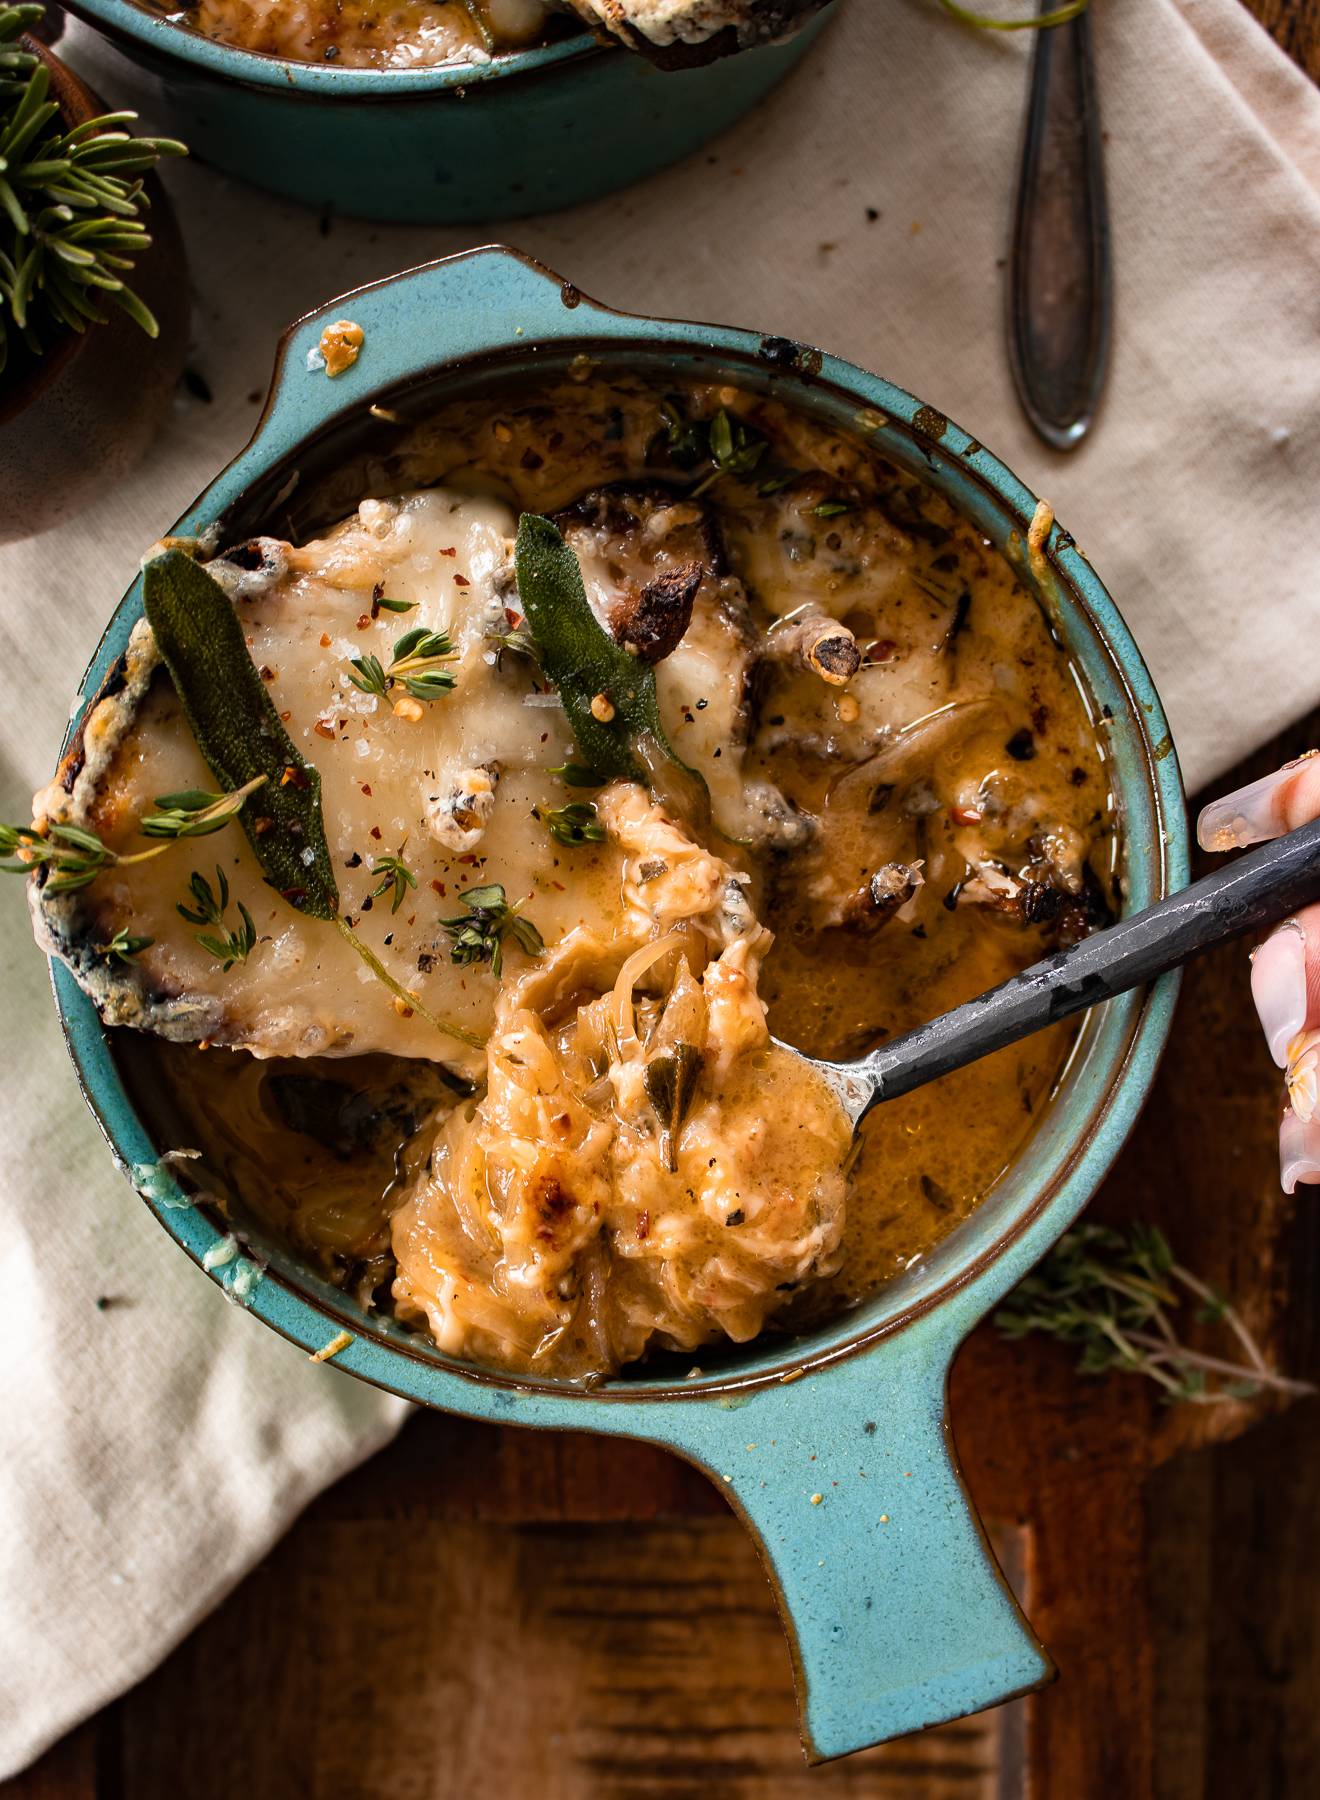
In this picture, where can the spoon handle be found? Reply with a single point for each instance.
(1244, 896)
(1060, 282)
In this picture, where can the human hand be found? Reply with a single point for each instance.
(1285, 969)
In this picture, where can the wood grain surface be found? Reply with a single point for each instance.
(501, 1613)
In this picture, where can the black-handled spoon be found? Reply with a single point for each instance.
(1244, 896)
(1060, 279)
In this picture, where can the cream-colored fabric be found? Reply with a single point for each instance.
(150, 1452)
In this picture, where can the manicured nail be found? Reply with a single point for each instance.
(1299, 1151)
(1278, 986)
(1250, 815)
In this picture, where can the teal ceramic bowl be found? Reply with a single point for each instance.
(835, 1448)
(529, 131)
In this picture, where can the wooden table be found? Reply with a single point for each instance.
(509, 1613)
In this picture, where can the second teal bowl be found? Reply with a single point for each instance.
(526, 133)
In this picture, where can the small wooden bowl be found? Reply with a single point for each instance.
(83, 414)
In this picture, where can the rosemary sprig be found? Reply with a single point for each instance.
(395, 879)
(416, 663)
(379, 603)
(830, 509)
(228, 944)
(574, 823)
(1111, 1293)
(75, 856)
(123, 946)
(69, 205)
(479, 933)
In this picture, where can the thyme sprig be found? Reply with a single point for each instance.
(724, 441)
(195, 812)
(228, 944)
(395, 879)
(479, 933)
(123, 946)
(417, 663)
(575, 823)
(75, 856)
(1111, 1293)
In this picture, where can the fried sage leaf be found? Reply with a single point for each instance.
(608, 695)
(238, 730)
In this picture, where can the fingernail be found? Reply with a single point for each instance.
(1278, 986)
(1299, 1151)
(1249, 815)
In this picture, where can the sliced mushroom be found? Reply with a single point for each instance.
(872, 906)
(645, 552)
(818, 643)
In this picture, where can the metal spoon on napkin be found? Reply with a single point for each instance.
(1256, 890)
(1060, 276)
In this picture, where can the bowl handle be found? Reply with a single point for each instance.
(896, 1611)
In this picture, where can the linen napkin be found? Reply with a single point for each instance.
(152, 1450)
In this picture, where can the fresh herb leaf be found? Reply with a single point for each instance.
(582, 659)
(123, 946)
(687, 440)
(521, 643)
(735, 448)
(575, 823)
(196, 813)
(416, 663)
(1112, 1293)
(369, 676)
(479, 933)
(830, 509)
(228, 944)
(75, 856)
(395, 879)
(577, 775)
(394, 606)
(239, 731)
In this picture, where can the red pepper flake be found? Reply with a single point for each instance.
(323, 728)
(881, 651)
(366, 790)
(452, 551)
(439, 887)
(267, 673)
(643, 1227)
(461, 581)
(375, 831)
(294, 777)
(559, 887)
(364, 620)
(470, 858)
(514, 617)
(964, 815)
(325, 640)
(286, 716)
